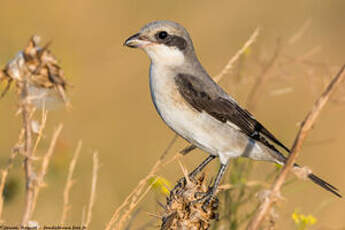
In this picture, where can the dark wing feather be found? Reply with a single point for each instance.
(223, 109)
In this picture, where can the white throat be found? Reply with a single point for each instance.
(164, 55)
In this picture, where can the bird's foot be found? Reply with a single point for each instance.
(180, 184)
(208, 200)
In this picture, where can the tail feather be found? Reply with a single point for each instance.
(281, 159)
(317, 180)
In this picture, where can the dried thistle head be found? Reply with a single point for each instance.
(39, 68)
(184, 211)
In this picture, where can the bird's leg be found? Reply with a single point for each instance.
(212, 190)
(188, 149)
(195, 172)
(203, 164)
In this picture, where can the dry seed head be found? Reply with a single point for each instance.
(184, 212)
(39, 68)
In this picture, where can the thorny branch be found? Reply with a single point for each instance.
(307, 125)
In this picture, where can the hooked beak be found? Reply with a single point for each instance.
(137, 41)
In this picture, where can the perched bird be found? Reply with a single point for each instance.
(198, 109)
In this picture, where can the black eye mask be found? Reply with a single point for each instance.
(171, 40)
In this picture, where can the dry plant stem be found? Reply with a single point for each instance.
(136, 194)
(83, 216)
(184, 171)
(248, 184)
(238, 54)
(138, 189)
(126, 215)
(42, 126)
(69, 184)
(2, 76)
(307, 125)
(299, 34)
(5, 171)
(44, 166)
(170, 145)
(93, 189)
(129, 224)
(260, 81)
(4, 174)
(26, 114)
(33, 66)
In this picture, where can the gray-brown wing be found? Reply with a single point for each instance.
(225, 110)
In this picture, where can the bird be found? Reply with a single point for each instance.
(194, 106)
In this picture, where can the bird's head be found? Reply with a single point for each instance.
(165, 42)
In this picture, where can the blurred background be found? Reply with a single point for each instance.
(112, 110)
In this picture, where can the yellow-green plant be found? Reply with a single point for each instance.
(302, 222)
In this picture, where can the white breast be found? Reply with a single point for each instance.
(198, 128)
(165, 95)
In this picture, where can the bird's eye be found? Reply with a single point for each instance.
(162, 35)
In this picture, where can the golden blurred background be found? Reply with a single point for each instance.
(112, 110)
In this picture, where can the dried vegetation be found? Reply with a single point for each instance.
(37, 76)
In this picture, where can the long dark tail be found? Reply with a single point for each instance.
(281, 159)
(317, 180)
(325, 185)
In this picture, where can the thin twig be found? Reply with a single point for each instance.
(42, 126)
(137, 193)
(138, 189)
(69, 183)
(83, 216)
(307, 125)
(238, 54)
(2, 75)
(126, 215)
(15, 150)
(299, 34)
(170, 145)
(45, 165)
(93, 189)
(184, 171)
(4, 174)
(254, 92)
(26, 114)
(129, 225)
(248, 184)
